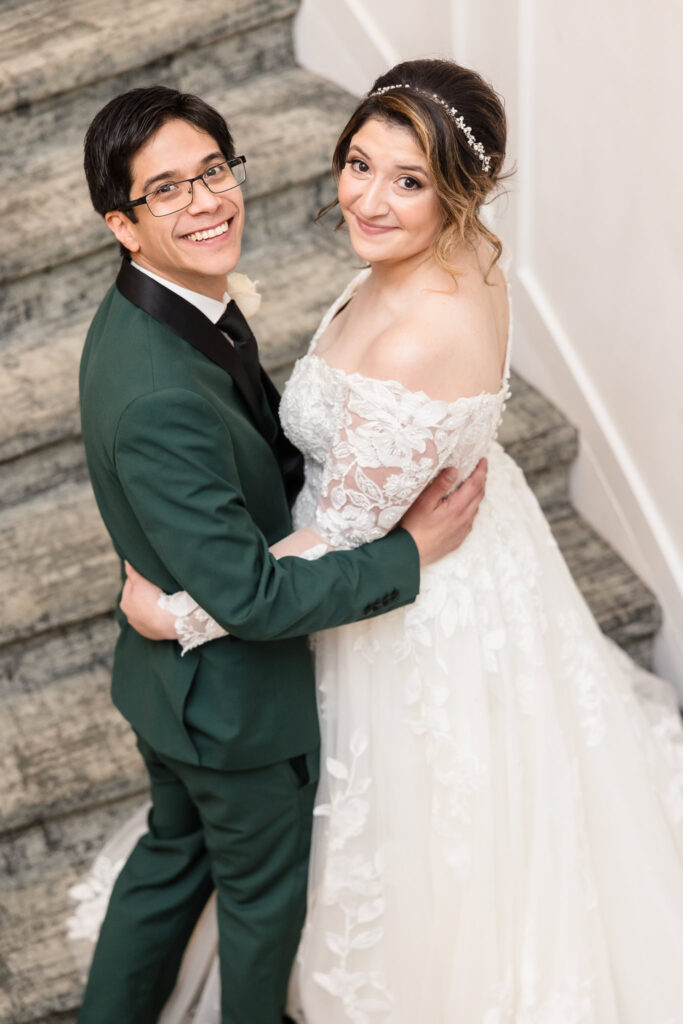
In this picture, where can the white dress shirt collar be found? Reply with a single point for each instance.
(211, 308)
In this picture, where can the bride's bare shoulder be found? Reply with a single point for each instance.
(450, 343)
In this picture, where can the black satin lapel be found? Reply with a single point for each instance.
(192, 326)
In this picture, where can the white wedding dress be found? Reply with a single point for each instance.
(499, 825)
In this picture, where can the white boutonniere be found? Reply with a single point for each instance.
(244, 291)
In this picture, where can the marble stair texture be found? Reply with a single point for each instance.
(70, 771)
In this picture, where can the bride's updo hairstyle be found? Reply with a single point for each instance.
(459, 123)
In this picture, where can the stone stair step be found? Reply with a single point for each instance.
(286, 122)
(624, 607)
(551, 487)
(69, 1017)
(60, 121)
(39, 389)
(41, 977)
(231, 59)
(34, 307)
(58, 566)
(40, 470)
(66, 745)
(534, 432)
(48, 47)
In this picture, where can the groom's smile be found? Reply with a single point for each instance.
(198, 246)
(206, 234)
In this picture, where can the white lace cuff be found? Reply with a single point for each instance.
(317, 551)
(193, 626)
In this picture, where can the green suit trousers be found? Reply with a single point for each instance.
(246, 833)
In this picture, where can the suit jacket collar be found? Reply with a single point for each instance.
(211, 308)
(189, 323)
(197, 330)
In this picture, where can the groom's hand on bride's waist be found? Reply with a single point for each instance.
(441, 518)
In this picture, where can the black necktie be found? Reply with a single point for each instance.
(289, 458)
(233, 323)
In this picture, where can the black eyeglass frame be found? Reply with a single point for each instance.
(190, 181)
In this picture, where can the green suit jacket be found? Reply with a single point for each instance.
(192, 496)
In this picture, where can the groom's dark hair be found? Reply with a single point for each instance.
(121, 127)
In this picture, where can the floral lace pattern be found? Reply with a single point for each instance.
(377, 447)
(353, 884)
(193, 626)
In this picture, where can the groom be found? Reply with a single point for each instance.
(194, 479)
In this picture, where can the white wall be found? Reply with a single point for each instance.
(353, 41)
(593, 93)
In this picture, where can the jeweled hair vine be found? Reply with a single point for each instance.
(459, 120)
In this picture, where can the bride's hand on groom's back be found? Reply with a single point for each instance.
(441, 518)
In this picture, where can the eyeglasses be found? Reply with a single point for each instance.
(174, 196)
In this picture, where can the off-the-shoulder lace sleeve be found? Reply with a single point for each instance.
(391, 443)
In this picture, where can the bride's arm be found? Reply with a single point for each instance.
(160, 616)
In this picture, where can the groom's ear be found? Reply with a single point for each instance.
(124, 229)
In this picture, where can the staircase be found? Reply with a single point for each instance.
(70, 771)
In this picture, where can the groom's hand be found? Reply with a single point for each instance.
(440, 519)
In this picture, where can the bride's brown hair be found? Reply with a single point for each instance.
(461, 180)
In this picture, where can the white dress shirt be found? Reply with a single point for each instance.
(211, 308)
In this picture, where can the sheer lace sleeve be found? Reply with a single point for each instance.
(193, 626)
(391, 443)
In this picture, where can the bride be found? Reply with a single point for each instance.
(499, 824)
